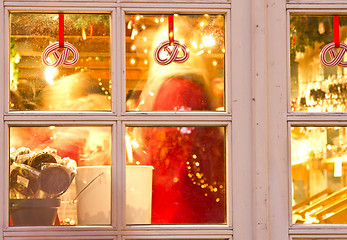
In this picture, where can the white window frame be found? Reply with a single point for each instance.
(280, 121)
(247, 209)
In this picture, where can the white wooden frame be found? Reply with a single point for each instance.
(240, 223)
(281, 119)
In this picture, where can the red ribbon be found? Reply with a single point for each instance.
(336, 31)
(61, 30)
(171, 30)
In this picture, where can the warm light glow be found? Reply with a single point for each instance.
(137, 18)
(129, 149)
(133, 34)
(50, 74)
(214, 63)
(202, 24)
(145, 51)
(194, 44)
(162, 20)
(134, 144)
(132, 61)
(321, 28)
(130, 23)
(133, 47)
(143, 27)
(208, 41)
(156, 20)
(200, 52)
(145, 62)
(144, 39)
(84, 35)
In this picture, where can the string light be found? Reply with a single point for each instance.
(132, 61)
(199, 179)
(156, 20)
(107, 93)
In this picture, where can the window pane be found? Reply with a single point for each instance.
(80, 87)
(178, 173)
(314, 87)
(319, 174)
(195, 84)
(60, 176)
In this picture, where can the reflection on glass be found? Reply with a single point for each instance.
(60, 176)
(179, 172)
(35, 86)
(315, 88)
(319, 174)
(197, 84)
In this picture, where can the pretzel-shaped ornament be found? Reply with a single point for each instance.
(173, 54)
(336, 58)
(61, 58)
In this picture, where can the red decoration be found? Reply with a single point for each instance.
(61, 59)
(336, 58)
(172, 53)
(336, 31)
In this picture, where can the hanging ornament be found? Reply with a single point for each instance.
(336, 58)
(173, 51)
(61, 59)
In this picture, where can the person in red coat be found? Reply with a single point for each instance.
(189, 161)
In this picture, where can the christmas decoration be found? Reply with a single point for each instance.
(172, 53)
(68, 48)
(336, 58)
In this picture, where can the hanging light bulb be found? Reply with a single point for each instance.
(321, 28)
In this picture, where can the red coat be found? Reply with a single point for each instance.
(189, 162)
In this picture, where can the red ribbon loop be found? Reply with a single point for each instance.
(171, 30)
(336, 31)
(61, 30)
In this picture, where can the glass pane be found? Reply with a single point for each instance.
(319, 174)
(60, 176)
(35, 86)
(314, 87)
(175, 175)
(195, 84)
